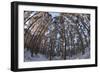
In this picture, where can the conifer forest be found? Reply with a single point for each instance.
(56, 36)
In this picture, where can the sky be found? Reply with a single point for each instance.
(54, 14)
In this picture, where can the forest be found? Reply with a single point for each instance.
(56, 36)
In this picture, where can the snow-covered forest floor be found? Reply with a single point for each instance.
(41, 57)
(38, 57)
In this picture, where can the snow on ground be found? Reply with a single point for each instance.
(80, 56)
(38, 57)
(41, 57)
